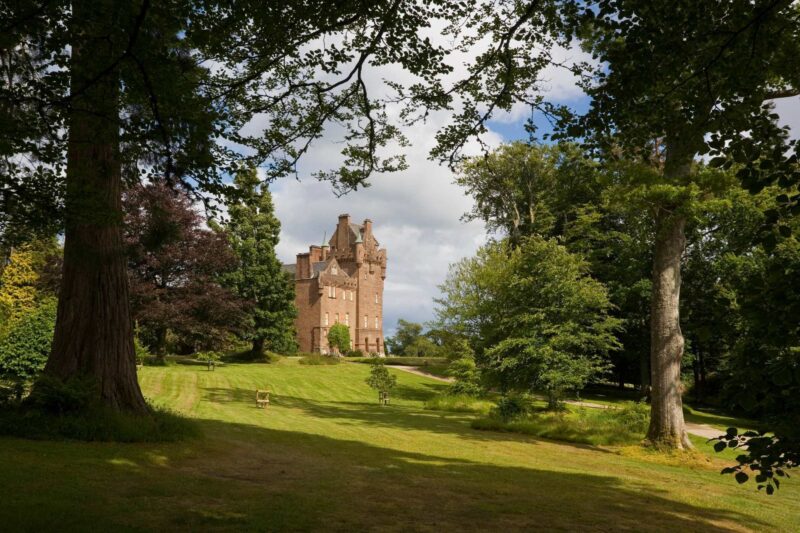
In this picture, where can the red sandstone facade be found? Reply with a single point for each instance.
(341, 281)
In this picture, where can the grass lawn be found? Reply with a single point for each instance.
(325, 456)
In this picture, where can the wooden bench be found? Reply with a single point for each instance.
(212, 365)
(262, 399)
(383, 398)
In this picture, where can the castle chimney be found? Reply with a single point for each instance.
(367, 230)
(315, 253)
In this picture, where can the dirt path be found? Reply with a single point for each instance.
(701, 430)
(416, 370)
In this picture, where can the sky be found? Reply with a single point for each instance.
(416, 213)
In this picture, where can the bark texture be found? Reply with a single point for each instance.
(667, 427)
(94, 333)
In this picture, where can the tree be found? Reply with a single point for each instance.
(666, 98)
(97, 90)
(254, 231)
(529, 189)
(174, 265)
(380, 379)
(25, 347)
(405, 335)
(20, 281)
(538, 319)
(339, 337)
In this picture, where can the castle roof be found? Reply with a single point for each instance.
(357, 231)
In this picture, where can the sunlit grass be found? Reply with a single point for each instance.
(325, 456)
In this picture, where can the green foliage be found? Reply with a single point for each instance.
(254, 231)
(467, 378)
(529, 189)
(142, 353)
(54, 396)
(586, 426)
(768, 456)
(379, 377)
(25, 348)
(21, 284)
(318, 359)
(511, 406)
(354, 353)
(339, 337)
(458, 403)
(209, 355)
(538, 319)
(96, 424)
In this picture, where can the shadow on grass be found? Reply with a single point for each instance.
(375, 487)
(246, 477)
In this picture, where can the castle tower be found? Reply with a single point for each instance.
(341, 281)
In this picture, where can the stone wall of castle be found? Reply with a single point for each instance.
(341, 281)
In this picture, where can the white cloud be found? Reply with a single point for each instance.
(416, 213)
(789, 111)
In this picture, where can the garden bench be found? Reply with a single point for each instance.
(262, 398)
(211, 365)
(383, 398)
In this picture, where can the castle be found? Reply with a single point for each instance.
(341, 281)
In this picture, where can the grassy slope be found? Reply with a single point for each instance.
(325, 456)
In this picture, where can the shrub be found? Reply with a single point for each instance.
(635, 415)
(379, 378)
(510, 407)
(355, 353)
(339, 338)
(588, 426)
(96, 424)
(54, 396)
(24, 350)
(467, 378)
(142, 353)
(318, 359)
(209, 355)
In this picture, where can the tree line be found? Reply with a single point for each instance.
(97, 94)
(195, 285)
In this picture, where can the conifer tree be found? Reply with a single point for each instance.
(254, 231)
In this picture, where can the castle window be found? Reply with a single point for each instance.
(376, 297)
(376, 322)
(351, 296)
(365, 320)
(347, 319)
(331, 292)
(337, 318)
(326, 319)
(334, 270)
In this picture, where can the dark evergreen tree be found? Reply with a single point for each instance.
(253, 231)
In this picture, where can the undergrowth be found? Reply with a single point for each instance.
(459, 403)
(588, 426)
(96, 424)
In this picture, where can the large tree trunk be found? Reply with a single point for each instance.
(94, 334)
(257, 352)
(667, 427)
